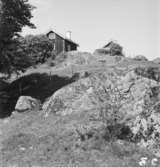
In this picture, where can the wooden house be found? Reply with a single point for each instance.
(62, 43)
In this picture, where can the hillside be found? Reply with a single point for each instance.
(103, 112)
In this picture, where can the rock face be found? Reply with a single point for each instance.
(26, 103)
(128, 98)
(74, 58)
(157, 60)
(140, 58)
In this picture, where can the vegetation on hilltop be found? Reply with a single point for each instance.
(37, 47)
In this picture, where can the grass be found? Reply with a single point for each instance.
(31, 139)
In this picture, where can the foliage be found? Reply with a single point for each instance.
(14, 15)
(110, 100)
(37, 47)
(13, 58)
(116, 49)
(149, 72)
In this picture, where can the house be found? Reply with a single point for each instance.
(114, 49)
(62, 43)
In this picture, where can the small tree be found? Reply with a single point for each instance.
(109, 100)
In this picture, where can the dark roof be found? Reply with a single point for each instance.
(108, 45)
(63, 37)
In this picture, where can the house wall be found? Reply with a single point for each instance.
(70, 46)
(60, 44)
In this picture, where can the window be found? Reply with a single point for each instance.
(52, 36)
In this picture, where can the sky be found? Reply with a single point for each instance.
(134, 24)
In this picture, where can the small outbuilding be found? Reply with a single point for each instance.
(62, 43)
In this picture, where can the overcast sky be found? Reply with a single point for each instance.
(132, 23)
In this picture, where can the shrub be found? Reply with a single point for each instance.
(15, 58)
(149, 72)
(37, 47)
(110, 100)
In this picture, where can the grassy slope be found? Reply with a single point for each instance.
(30, 140)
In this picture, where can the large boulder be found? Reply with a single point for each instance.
(87, 93)
(130, 100)
(27, 103)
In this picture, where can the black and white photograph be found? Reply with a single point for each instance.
(79, 83)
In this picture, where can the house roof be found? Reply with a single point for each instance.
(62, 36)
(110, 44)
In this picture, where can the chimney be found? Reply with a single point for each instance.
(68, 34)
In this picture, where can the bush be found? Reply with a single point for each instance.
(116, 50)
(110, 100)
(149, 72)
(38, 48)
(15, 58)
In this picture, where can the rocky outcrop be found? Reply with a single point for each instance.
(157, 60)
(130, 99)
(27, 103)
(140, 58)
(36, 85)
(73, 58)
(94, 121)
